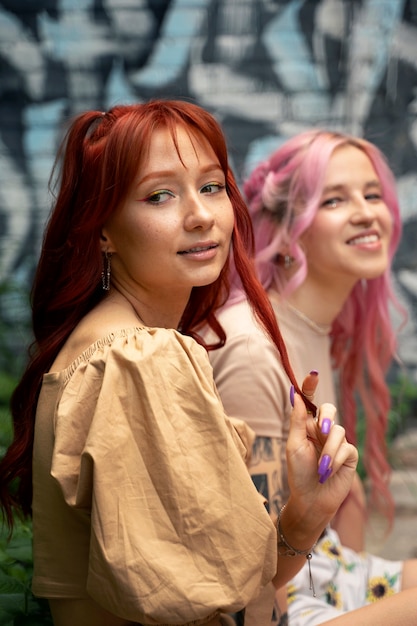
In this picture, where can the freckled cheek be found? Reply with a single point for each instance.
(229, 231)
(157, 240)
(228, 219)
(150, 228)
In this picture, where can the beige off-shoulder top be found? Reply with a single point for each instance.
(142, 499)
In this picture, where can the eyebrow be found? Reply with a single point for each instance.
(170, 173)
(370, 183)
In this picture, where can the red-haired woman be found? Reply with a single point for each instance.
(143, 508)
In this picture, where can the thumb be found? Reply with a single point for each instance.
(310, 383)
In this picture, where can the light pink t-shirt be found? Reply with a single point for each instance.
(249, 374)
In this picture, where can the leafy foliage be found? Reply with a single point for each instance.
(403, 413)
(18, 607)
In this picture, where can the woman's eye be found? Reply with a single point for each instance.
(212, 188)
(373, 197)
(331, 203)
(157, 197)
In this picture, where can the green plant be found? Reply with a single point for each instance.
(404, 399)
(403, 411)
(18, 607)
(7, 384)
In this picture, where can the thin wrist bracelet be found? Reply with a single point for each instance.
(291, 551)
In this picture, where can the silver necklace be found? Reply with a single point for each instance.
(321, 329)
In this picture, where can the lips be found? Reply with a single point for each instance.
(363, 239)
(197, 249)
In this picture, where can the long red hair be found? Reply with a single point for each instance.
(94, 170)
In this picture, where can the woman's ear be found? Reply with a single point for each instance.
(105, 242)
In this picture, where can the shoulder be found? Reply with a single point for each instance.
(239, 319)
(111, 327)
(115, 347)
(247, 343)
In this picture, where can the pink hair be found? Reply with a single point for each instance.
(363, 341)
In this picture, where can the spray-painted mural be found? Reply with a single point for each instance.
(266, 68)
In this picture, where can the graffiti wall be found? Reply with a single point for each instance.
(266, 68)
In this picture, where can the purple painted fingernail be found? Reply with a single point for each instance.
(324, 464)
(325, 476)
(314, 373)
(325, 426)
(292, 395)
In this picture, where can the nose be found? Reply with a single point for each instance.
(363, 210)
(198, 213)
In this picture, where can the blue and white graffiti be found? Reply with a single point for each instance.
(266, 68)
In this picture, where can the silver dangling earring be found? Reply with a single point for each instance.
(288, 261)
(106, 273)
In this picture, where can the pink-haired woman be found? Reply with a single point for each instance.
(327, 223)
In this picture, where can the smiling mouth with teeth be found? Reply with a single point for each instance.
(199, 249)
(365, 239)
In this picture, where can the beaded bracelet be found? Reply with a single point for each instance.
(290, 551)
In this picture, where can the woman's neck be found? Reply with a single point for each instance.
(149, 312)
(321, 303)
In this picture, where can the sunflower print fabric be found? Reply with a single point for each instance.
(344, 580)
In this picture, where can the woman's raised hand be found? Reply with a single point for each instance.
(321, 463)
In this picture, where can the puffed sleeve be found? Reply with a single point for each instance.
(177, 529)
